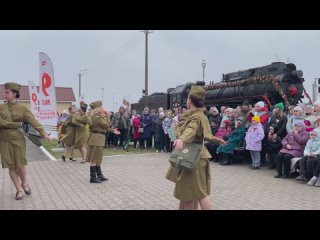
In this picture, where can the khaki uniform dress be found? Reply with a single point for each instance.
(98, 127)
(69, 138)
(81, 133)
(12, 141)
(194, 185)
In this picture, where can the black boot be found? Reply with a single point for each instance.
(99, 173)
(63, 158)
(93, 175)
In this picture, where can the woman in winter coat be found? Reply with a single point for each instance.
(159, 133)
(136, 124)
(311, 153)
(298, 115)
(234, 140)
(225, 130)
(273, 146)
(292, 146)
(146, 123)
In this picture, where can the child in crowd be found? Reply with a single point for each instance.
(254, 139)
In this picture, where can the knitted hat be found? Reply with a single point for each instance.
(307, 123)
(299, 123)
(256, 118)
(280, 106)
(260, 104)
(297, 108)
(12, 86)
(198, 92)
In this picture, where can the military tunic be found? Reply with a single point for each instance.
(69, 137)
(81, 133)
(98, 127)
(194, 185)
(12, 141)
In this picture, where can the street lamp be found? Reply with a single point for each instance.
(203, 66)
(80, 74)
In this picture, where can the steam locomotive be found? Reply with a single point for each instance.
(277, 82)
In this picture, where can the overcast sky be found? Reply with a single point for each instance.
(115, 60)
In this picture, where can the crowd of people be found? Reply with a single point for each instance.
(266, 136)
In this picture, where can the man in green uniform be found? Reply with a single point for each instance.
(12, 141)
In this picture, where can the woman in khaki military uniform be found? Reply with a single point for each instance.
(99, 125)
(193, 187)
(81, 134)
(69, 138)
(12, 141)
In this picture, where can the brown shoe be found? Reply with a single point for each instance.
(26, 189)
(19, 197)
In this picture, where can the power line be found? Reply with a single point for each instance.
(122, 50)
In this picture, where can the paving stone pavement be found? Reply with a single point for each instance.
(34, 153)
(138, 182)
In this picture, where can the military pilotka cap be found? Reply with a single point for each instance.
(12, 86)
(198, 92)
(95, 104)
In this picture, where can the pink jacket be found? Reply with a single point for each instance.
(224, 133)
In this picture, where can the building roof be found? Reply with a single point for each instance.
(63, 94)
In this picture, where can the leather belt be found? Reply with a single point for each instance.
(98, 132)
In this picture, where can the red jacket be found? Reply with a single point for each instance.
(136, 125)
(263, 118)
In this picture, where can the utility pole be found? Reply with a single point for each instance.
(203, 66)
(80, 81)
(146, 32)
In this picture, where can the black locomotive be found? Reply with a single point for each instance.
(277, 82)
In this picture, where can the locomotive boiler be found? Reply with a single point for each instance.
(277, 82)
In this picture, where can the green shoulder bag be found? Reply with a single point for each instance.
(187, 157)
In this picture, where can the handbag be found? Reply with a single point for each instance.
(187, 157)
(140, 130)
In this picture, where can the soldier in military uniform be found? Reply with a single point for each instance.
(69, 138)
(81, 134)
(12, 141)
(99, 125)
(193, 187)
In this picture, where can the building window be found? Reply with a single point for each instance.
(318, 89)
(319, 81)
